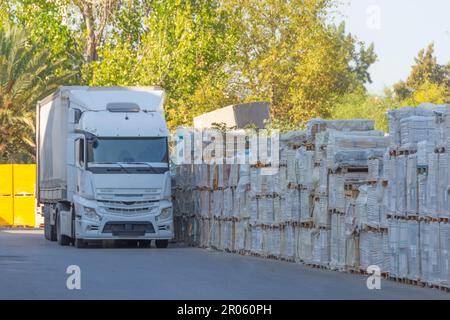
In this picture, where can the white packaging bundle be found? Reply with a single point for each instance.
(320, 213)
(321, 247)
(233, 179)
(430, 253)
(305, 164)
(392, 193)
(371, 249)
(442, 186)
(240, 235)
(401, 185)
(244, 177)
(340, 193)
(215, 234)
(374, 166)
(323, 178)
(373, 207)
(217, 203)
(433, 171)
(424, 148)
(411, 185)
(265, 210)
(414, 250)
(280, 181)
(332, 192)
(393, 235)
(288, 242)
(418, 128)
(422, 193)
(444, 246)
(256, 236)
(316, 126)
(291, 167)
(240, 204)
(225, 235)
(305, 206)
(253, 209)
(337, 241)
(361, 206)
(292, 212)
(274, 242)
(386, 256)
(403, 248)
(205, 203)
(305, 245)
(228, 202)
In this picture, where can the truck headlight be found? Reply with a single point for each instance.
(90, 213)
(166, 213)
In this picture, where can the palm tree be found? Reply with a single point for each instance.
(27, 73)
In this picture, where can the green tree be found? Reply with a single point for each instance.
(289, 54)
(27, 73)
(428, 80)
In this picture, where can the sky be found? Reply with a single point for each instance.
(399, 29)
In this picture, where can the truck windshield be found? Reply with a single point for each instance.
(127, 150)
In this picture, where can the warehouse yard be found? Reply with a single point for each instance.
(33, 268)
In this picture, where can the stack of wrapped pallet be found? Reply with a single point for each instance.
(350, 154)
(417, 196)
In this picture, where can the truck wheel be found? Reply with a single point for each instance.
(162, 243)
(145, 243)
(79, 243)
(62, 239)
(49, 230)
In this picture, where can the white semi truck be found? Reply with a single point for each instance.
(103, 166)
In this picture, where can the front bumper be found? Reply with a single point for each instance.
(122, 227)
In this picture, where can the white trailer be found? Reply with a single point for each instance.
(103, 165)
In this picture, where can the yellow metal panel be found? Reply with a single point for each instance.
(6, 211)
(6, 185)
(24, 211)
(24, 179)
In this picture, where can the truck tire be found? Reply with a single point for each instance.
(62, 240)
(162, 244)
(49, 230)
(145, 243)
(79, 243)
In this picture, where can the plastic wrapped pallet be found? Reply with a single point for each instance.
(361, 205)
(274, 243)
(288, 248)
(291, 174)
(227, 203)
(414, 250)
(256, 239)
(265, 210)
(401, 186)
(424, 148)
(443, 186)
(240, 235)
(305, 244)
(233, 178)
(305, 165)
(321, 215)
(217, 203)
(215, 234)
(403, 248)
(371, 249)
(321, 247)
(430, 255)
(422, 194)
(244, 177)
(318, 125)
(431, 191)
(305, 206)
(337, 241)
(411, 185)
(292, 212)
(393, 235)
(444, 247)
(374, 169)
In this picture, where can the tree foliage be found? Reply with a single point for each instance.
(27, 73)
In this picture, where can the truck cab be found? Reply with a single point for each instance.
(103, 166)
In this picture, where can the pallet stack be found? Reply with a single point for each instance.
(417, 198)
(344, 197)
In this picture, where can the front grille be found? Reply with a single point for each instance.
(128, 207)
(128, 228)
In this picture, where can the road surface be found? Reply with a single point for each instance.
(33, 268)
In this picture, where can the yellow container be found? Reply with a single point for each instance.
(24, 179)
(24, 184)
(25, 211)
(6, 211)
(6, 195)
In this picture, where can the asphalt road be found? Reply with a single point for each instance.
(33, 268)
